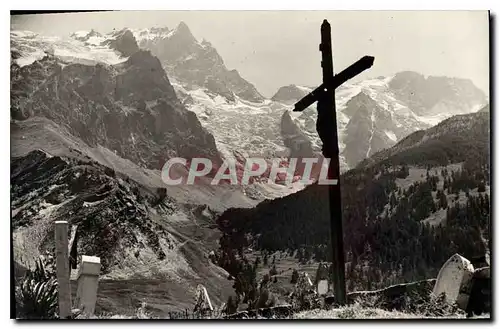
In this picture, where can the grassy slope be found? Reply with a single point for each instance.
(357, 311)
(350, 312)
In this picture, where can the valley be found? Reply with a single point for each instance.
(95, 116)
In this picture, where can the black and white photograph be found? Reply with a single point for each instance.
(250, 165)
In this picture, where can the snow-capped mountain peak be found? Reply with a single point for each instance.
(376, 113)
(92, 36)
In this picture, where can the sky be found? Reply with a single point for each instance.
(277, 48)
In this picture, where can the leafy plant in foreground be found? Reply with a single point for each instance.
(36, 294)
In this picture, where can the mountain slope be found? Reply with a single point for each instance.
(377, 113)
(401, 219)
(40, 133)
(130, 108)
(138, 232)
(442, 144)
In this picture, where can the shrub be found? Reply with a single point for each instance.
(37, 293)
(304, 296)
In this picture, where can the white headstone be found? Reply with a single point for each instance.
(454, 280)
(88, 281)
(62, 269)
(322, 287)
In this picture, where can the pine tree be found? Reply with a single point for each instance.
(443, 201)
(257, 262)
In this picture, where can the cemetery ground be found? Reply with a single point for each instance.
(154, 299)
(153, 292)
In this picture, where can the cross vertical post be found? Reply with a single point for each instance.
(327, 129)
(326, 126)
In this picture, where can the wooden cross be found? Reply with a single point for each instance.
(326, 126)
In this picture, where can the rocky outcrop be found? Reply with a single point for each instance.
(480, 294)
(294, 138)
(123, 41)
(369, 130)
(241, 87)
(111, 210)
(289, 94)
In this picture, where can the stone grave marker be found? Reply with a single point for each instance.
(321, 281)
(454, 280)
(88, 281)
(322, 287)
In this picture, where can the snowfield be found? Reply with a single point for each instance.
(32, 46)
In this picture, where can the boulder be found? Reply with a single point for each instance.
(480, 293)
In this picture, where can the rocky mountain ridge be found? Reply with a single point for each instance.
(130, 108)
(139, 232)
(377, 113)
(197, 64)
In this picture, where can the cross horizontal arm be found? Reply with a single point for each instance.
(361, 65)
